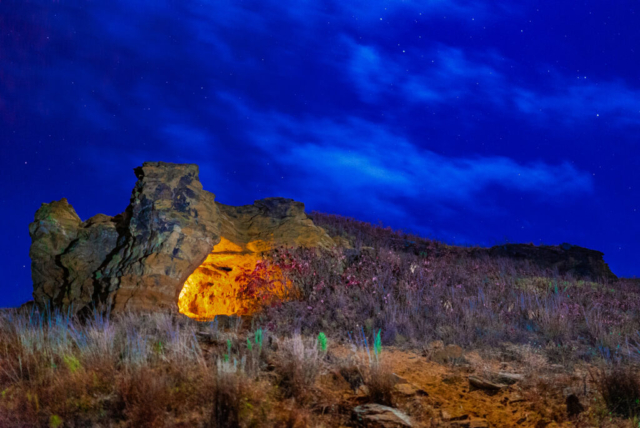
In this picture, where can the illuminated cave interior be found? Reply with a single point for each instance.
(214, 287)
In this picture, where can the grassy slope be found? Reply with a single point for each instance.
(168, 370)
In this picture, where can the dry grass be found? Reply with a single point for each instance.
(154, 373)
(298, 364)
(379, 380)
(144, 398)
(139, 370)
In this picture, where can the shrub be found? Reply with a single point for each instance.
(620, 390)
(352, 374)
(365, 366)
(380, 383)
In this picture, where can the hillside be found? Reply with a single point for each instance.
(442, 336)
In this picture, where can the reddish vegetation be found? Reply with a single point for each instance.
(448, 293)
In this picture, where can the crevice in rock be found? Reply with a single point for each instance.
(57, 300)
(101, 286)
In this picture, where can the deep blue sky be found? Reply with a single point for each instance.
(474, 122)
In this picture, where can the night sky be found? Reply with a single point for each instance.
(474, 122)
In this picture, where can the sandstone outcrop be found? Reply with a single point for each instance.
(247, 231)
(65, 252)
(168, 229)
(142, 258)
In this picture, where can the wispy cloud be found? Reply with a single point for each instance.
(441, 74)
(445, 74)
(339, 158)
(613, 101)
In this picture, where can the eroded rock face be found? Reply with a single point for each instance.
(247, 231)
(54, 228)
(136, 260)
(172, 225)
(95, 241)
(271, 221)
(172, 231)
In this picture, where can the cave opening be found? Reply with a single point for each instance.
(233, 280)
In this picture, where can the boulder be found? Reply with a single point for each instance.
(379, 416)
(508, 378)
(142, 258)
(476, 382)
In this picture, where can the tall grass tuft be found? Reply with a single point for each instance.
(619, 387)
(298, 365)
(227, 395)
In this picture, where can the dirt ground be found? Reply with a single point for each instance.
(439, 394)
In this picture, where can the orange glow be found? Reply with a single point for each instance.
(215, 287)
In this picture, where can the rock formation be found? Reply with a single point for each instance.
(142, 258)
(176, 247)
(246, 232)
(64, 253)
